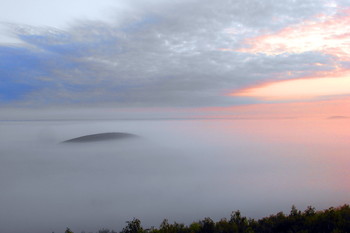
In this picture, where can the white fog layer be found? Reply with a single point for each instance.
(180, 170)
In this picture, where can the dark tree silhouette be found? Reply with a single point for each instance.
(332, 220)
(133, 226)
(68, 230)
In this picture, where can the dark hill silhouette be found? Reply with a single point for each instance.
(100, 137)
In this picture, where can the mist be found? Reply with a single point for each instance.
(182, 170)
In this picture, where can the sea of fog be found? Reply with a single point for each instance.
(182, 170)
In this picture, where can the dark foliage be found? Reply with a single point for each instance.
(332, 220)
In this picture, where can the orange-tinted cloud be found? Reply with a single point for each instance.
(336, 83)
(326, 34)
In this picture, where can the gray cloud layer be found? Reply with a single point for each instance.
(161, 54)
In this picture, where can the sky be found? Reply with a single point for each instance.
(251, 61)
(174, 54)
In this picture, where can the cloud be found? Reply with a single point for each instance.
(157, 55)
(301, 89)
(325, 33)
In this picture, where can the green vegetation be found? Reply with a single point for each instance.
(332, 220)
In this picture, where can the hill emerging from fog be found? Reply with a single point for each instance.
(101, 137)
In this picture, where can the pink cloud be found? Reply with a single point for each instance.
(332, 83)
(326, 34)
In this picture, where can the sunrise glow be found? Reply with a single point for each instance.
(158, 110)
(326, 34)
(300, 88)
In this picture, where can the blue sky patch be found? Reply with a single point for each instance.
(19, 69)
